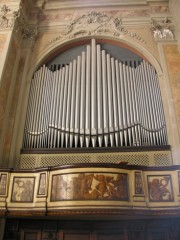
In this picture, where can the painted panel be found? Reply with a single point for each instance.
(3, 184)
(160, 188)
(89, 186)
(42, 184)
(138, 183)
(23, 189)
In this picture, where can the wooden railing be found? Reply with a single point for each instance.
(90, 188)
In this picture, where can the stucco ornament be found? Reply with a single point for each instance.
(96, 24)
(26, 31)
(7, 17)
(162, 30)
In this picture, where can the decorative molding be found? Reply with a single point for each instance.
(7, 17)
(95, 24)
(162, 29)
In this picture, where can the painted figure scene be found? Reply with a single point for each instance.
(160, 188)
(89, 186)
(23, 189)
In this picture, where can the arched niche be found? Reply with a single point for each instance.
(61, 45)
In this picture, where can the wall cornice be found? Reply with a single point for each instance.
(69, 4)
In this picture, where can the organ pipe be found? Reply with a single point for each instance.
(99, 97)
(93, 93)
(88, 97)
(95, 101)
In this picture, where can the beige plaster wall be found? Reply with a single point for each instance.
(3, 38)
(175, 11)
(5, 83)
(172, 57)
(12, 113)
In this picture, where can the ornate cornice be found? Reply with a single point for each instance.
(96, 24)
(162, 29)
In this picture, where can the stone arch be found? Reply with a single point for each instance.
(63, 44)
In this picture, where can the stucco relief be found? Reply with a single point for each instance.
(26, 31)
(7, 17)
(162, 30)
(96, 24)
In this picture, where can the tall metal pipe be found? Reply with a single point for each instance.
(68, 114)
(105, 99)
(82, 100)
(93, 93)
(77, 106)
(99, 97)
(73, 103)
(110, 101)
(88, 96)
(115, 102)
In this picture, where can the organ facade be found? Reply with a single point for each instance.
(89, 119)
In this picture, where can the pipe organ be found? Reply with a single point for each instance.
(95, 101)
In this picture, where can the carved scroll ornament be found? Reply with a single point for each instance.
(96, 23)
